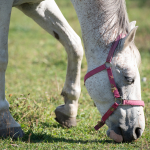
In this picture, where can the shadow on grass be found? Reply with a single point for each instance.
(44, 138)
(31, 137)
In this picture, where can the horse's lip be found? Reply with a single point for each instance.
(116, 137)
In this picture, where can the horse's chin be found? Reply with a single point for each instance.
(116, 137)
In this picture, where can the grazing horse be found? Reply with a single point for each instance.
(108, 37)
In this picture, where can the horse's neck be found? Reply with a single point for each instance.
(96, 43)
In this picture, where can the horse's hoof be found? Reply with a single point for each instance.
(65, 120)
(14, 132)
(8, 126)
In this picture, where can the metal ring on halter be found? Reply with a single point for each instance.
(108, 65)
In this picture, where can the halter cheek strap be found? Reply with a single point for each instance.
(113, 85)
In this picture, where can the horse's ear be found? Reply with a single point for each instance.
(130, 37)
(132, 25)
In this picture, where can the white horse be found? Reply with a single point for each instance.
(101, 22)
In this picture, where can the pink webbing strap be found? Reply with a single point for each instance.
(110, 55)
(114, 107)
(94, 71)
(113, 84)
(113, 47)
(133, 102)
(106, 115)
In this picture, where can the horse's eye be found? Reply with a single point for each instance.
(129, 80)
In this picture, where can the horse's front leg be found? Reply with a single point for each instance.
(8, 126)
(49, 17)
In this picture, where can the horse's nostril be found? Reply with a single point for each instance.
(138, 132)
(130, 134)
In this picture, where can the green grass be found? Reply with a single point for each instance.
(35, 77)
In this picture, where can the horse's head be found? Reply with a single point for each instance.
(127, 122)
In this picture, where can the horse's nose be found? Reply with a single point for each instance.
(119, 134)
(138, 132)
(131, 134)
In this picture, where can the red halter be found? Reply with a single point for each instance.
(113, 85)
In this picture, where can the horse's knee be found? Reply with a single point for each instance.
(3, 60)
(77, 50)
(71, 94)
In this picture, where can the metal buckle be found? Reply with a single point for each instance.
(119, 99)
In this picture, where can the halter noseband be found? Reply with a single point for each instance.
(113, 85)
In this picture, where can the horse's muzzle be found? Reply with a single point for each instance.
(121, 134)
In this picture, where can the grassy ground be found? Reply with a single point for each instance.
(35, 77)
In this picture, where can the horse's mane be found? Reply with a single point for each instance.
(112, 8)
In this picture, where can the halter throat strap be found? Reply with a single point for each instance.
(113, 85)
